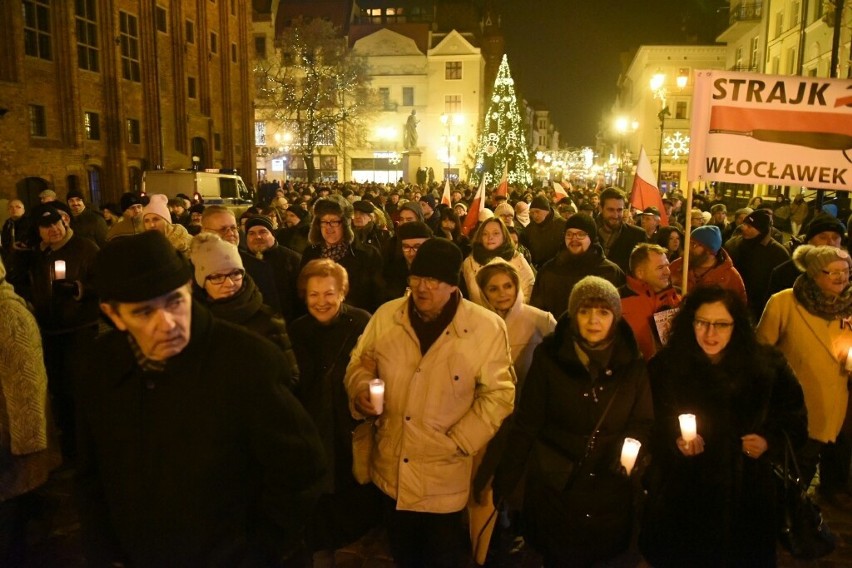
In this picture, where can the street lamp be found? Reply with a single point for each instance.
(448, 121)
(624, 126)
(658, 87)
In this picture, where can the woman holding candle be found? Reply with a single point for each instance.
(323, 339)
(711, 496)
(810, 324)
(492, 240)
(585, 392)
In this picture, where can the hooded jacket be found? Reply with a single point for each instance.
(721, 274)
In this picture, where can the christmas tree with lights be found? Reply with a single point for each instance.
(502, 139)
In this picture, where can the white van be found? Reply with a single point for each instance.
(213, 186)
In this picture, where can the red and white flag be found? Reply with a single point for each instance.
(559, 192)
(503, 188)
(645, 192)
(445, 197)
(475, 207)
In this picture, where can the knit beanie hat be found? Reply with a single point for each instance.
(813, 260)
(413, 230)
(438, 258)
(709, 236)
(73, 194)
(461, 206)
(298, 211)
(413, 206)
(211, 255)
(138, 268)
(584, 223)
(485, 214)
(822, 223)
(197, 208)
(158, 204)
(259, 220)
(428, 200)
(504, 209)
(540, 202)
(593, 288)
(127, 199)
(760, 219)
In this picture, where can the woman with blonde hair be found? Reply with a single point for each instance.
(492, 240)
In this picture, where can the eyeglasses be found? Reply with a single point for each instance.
(576, 235)
(836, 274)
(332, 224)
(226, 230)
(430, 283)
(236, 276)
(410, 248)
(720, 326)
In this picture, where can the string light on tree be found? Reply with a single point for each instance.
(676, 145)
(502, 139)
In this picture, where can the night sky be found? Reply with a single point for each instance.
(566, 53)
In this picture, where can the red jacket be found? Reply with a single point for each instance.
(638, 306)
(722, 274)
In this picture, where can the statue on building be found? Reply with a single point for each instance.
(409, 138)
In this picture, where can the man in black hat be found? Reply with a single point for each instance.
(650, 219)
(297, 227)
(431, 215)
(283, 264)
(367, 232)
(131, 217)
(192, 450)
(448, 384)
(756, 254)
(544, 236)
(84, 221)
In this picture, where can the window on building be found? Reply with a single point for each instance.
(408, 96)
(92, 125)
(795, 8)
(214, 42)
(791, 61)
(37, 38)
(754, 53)
(129, 41)
(738, 57)
(133, 132)
(260, 133)
(161, 18)
(384, 96)
(779, 23)
(38, 122)
(260, 47)
(191, 89)
(453, 70)
(217, 142)
(681, 110)
(86, 19)
(190, 31)
(819, 10)
(776, 65)
(452, 103)
(234, 52)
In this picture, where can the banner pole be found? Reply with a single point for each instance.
(687, 238)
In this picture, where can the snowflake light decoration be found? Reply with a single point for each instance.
(676, 145)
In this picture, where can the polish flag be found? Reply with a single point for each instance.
(644, 192)
(503, 188)
(445, 197)
(475, 207)
(559, 192)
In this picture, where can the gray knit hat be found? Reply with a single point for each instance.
(594, 288)
(813, 260)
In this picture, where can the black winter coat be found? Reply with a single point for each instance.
(211, 462)
(620, 248)
(556, 279)
(558, 408)
(717, 508)
(544, 240)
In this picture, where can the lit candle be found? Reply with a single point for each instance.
(377, 395)
(59, 270)
(629, 451)
(688, 429)
(849, 360)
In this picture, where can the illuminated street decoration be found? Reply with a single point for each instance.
(676, 145)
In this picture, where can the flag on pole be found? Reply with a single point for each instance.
(645, 192)
(559, 192)
(503, 188)
(475, 207)
(445, 197)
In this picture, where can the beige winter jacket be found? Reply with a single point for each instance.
(439, 409)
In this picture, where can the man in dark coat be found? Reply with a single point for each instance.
(545, 235)
(581, 256)
(617, 238)
(193, 452)
(283, 263)
(85, 222)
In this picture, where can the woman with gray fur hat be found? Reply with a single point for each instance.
(332, 236)
(810, 324)
(585, 392)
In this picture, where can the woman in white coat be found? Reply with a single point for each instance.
(527, 326)
(492, 240)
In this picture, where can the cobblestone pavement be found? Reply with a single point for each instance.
(56, 542)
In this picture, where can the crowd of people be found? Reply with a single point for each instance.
(202, 368)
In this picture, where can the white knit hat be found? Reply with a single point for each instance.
(211, 255)
(159, 204)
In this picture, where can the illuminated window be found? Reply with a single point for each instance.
(133, 131)
(92, 125)
(453, 70)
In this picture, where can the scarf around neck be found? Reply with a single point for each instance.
(809, 295)
(483, 256)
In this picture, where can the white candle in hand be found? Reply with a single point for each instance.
(377, 395)
(59, 270)
(629, 452)
(688, 429)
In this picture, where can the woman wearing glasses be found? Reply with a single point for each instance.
(492, 240)
(810, 324)
(711, 498)
(222, 286)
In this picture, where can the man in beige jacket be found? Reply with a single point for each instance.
(449, 384)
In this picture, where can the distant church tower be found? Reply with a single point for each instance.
(493, 46)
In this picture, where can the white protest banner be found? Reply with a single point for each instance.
(753, 128)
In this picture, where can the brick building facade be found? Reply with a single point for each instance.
(94, 92)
